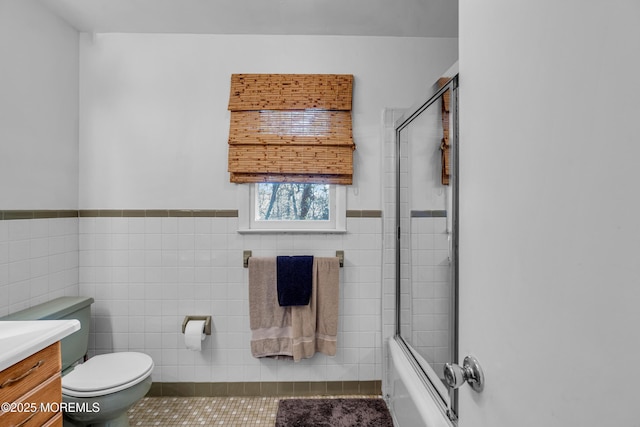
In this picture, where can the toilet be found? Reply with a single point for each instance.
(99, 391)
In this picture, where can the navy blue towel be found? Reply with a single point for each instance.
(295, 275)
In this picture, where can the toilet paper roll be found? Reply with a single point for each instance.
(194, 335)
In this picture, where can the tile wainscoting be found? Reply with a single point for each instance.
(38, 257)
(147, 273)
(147, 269)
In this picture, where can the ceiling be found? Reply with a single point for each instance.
(401, 18)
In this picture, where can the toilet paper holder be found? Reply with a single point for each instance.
(207, 323)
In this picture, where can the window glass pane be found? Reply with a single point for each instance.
(292, 202)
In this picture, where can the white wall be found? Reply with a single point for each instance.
(38, 108)
(154, 120)
(38, 154)
(549, 238)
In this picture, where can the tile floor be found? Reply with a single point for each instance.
(206, 411)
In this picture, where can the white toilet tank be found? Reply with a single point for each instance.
(73, 347)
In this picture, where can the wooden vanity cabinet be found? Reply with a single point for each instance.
(31, 390)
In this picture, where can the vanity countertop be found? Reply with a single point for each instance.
(21, 338)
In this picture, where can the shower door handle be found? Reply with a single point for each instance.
(470, 371)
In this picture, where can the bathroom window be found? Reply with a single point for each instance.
(294, 207)
(287, 201)
(291, 141)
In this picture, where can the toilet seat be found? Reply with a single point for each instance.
(107, 373)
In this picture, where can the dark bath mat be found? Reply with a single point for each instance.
(333, 413)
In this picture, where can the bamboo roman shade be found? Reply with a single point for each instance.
(291, 128)
(444, 145)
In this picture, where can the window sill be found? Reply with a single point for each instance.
(291, 231)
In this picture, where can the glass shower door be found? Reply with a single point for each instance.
(426, 213)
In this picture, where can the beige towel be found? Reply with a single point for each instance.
(270, 324)
(315, 326)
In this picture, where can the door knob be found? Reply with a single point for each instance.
(470, 371)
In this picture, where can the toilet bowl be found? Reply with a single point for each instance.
(99, 391)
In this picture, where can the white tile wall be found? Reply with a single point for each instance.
(430, 304)
(146, 274)
(38, 261)
(389, 250)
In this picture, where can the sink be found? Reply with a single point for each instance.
(21, 338)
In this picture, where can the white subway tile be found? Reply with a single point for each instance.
(186, 225)
(102, 225)
(202, 242)
(19, 250)
(136, 225)
(19, 229)
(153, 225)
(38, 267)
(120, 241)
(39, 228)
(186, 258)
(18, 271)
(87, 225)
(203, 225)
(4, 231)
(169, 225)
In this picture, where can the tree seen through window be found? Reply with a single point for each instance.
(292, 202)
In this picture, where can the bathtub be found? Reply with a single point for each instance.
(410, 402)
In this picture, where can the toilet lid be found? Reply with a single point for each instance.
(107, 373)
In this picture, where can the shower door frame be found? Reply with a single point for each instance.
(450, 409)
